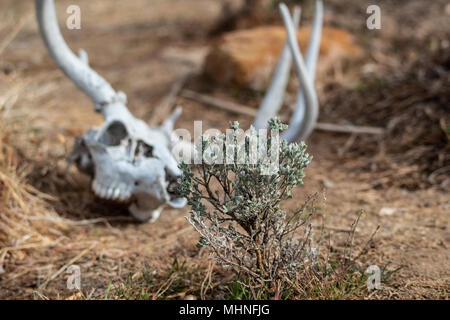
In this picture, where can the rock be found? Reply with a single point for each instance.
(247, 58)
(327, 183)
(385, 211)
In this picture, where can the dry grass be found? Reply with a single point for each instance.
(27, 220)
(339, 273)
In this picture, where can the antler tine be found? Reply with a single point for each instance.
(169, 123)
(312, 53)
(307, 108)
(274, 97)
(78, 70)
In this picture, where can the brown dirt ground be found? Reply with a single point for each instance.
(142, 47)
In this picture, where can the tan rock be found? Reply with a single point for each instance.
(247, 58)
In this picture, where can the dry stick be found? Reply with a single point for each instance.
(347, 145)
(57, 273)
(348, 128)
(40, 295)
(434, 174)
(166, 285)
(364, 249)
(207, 281)
(332, 228)
(218, 103)
(168, 101)
(241, 109)
(5, 43)
(172, 237)
(5, 250)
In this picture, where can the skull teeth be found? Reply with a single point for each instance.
(119, 193)
(116, 193)
(109, 193)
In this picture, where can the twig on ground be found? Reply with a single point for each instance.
(218, 103)
(174, 236)
(331, 228)
(165, 107)
(347, 145)
(434, 174)
(164, 287)
(40, 295)
(5, 43)
(206, 284)
(241, 109)
(349, 128)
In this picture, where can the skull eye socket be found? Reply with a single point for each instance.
(146, 150)
(142, 150)
(114, 134)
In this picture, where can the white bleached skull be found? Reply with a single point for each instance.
(128, 161)
(131, 162)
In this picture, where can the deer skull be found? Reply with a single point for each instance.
(130, 162)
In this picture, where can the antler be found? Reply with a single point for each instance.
(76, 68)
(306, 109)
(274, 97)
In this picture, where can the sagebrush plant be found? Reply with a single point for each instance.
(236, 209)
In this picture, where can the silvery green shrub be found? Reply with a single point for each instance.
(236, 205)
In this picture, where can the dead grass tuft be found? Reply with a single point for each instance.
(412, 103)
(27, 219)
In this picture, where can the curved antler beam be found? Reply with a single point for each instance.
(89, 81)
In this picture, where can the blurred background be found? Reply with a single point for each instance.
(391, 84)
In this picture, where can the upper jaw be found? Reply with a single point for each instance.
(122, 183)
(145, 201)
(114, 191)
